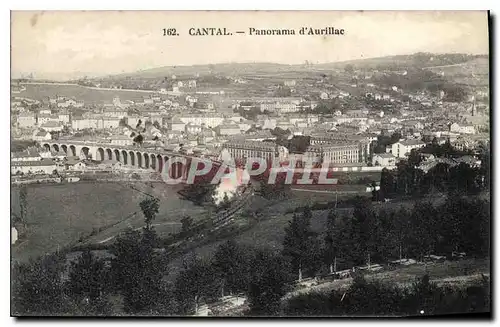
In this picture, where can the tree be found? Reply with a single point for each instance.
(232, 263)
(196, 283)
(139, 139)
(138, 271)
(387, 182)
(333, 240)
(349, 68)
(424, 227)
(23, 204)
(38, 288)
(300, 245)
(268, 283)
(156, 124)
(360, 233)
(88, 284)
(187, 223)
(149, 207)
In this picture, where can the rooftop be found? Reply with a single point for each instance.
(43, 162)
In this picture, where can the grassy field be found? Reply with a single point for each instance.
(60, 214)
(89, 96)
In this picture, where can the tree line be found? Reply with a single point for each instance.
(134, 276)
(374, 298)
(408, 179)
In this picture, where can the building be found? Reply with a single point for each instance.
(193, 128)
(132, 121)
(91, 122)
(52, 126)
(383, 159)
(177, 125)
(29, 154)
(122, 140)
(228, 129)
(75, 164)
(26, 120)
(44, 166)
(45, 111)
(64, 117)
(402, 149)
(110, 122)
(282, 107)
(462, 129)
(240, 150)
(209, 120)
(116, 112)
(43, 118)
(335, 153)
(42, 136)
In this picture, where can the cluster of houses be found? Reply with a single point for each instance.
(33, 161)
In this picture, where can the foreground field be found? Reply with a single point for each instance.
(58, 215)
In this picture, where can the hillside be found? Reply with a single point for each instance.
(224, 69)
(417, 60)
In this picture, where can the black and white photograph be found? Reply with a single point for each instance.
(250, 164)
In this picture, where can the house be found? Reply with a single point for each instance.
(177, 125)
(122, 140)
(51, 154)
(116, 112)
(75, 164)
(29, 154)
(42, 119)
(26, 120)
(44, 166)
(228, 129)
(413, 124)
(403, 148)
(52, 126)
(462, 129)
(64, 117)
(110, 122)
(383, 159)
(42, 136)
(110, 164)
(193, 128)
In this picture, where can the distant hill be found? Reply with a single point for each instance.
(417, 60)
(225, 69)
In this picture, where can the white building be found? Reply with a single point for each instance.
(42, 119)
(402, 149)
(44, 166)
(52, 126)
(123, 140)
(193, 128)
(26, 120)
(383, 159)
(462, 129)
(110, 122)
(42, 136)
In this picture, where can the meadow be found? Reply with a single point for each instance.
(41, 92)
(58, 215)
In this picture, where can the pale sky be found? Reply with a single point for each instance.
(63, 44)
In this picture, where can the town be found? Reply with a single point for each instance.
(405, 143)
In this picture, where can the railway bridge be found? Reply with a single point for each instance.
(148, 158)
